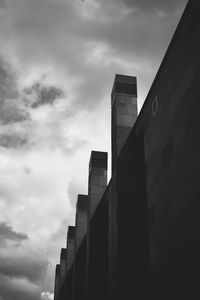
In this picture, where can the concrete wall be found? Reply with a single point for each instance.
(128, 240)
(169, 121)
(79, 279)
(98, 251)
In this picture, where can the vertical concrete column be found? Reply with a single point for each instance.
(70, 247)
(57, 282)
(97, 184)
(63, 260)
(81, 219)
(124, 111)
(80, 248)
(97, 179)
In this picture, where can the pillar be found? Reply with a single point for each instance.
(80, 248)
(124, 111)
(57, 282)
(63, 260)
(97, 184)
(128, 229)
(70, 247)
(81, 219)
(70, 262)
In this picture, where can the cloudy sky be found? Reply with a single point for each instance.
(58, 59)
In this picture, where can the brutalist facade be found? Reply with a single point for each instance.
(139, 235)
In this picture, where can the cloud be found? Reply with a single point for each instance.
(18, 130)
(13, 139)
(7, 81)
(18, 289)
(88, 42)
(21, 270)
(26, 266)
(7, 233)
(46, 296)
(39, 94)
(12, 109)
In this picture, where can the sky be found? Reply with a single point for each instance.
(58, 59)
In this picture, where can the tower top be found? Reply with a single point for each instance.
(124, 84)
(71, 232)
(82, 202)
(98, 159)
(63, 254)
(57, 269)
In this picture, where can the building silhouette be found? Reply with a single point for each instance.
(138, 236)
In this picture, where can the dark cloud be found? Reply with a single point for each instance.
(11, 112)
(7, 81)
(11, 289)
(65, 35)
(17, 130)
(13, 140)
(28, 267)
(21, 272)
(7, 233)
(12, 109)
(40, 94)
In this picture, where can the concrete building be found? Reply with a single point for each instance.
(143, 228)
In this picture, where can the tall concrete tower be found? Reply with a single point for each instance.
(70, 247)
(97, 181)
(124, 111)
(63, 259)
(57, 281)
(81, 219)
